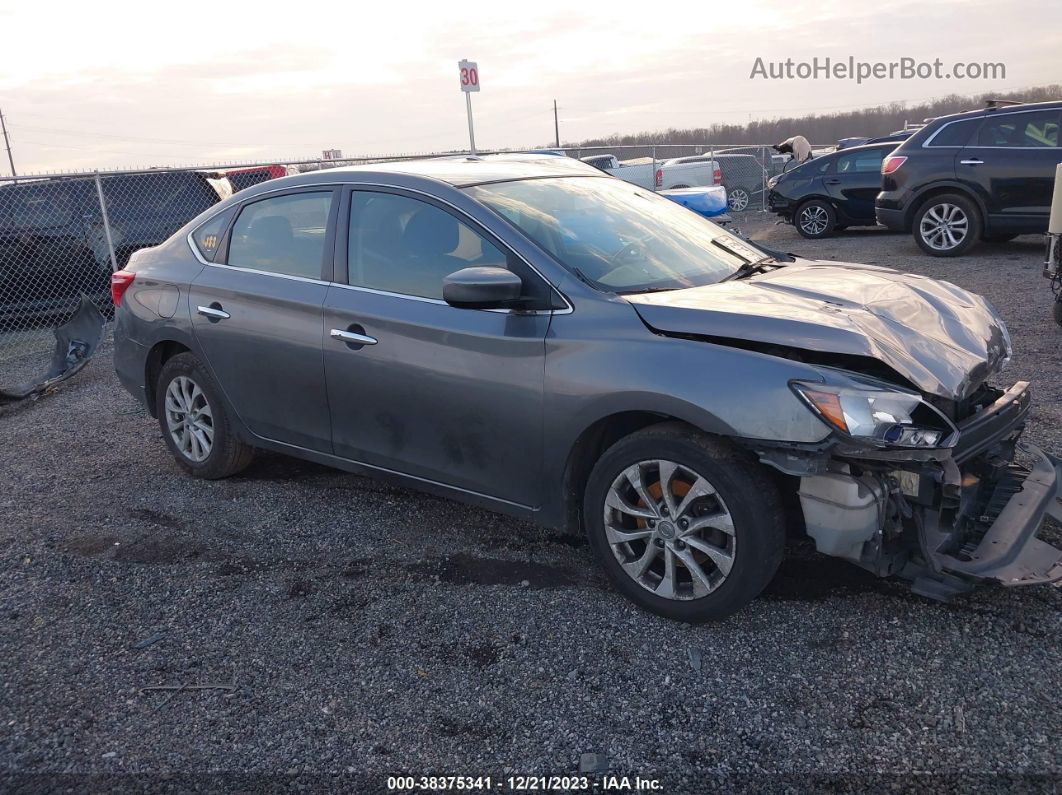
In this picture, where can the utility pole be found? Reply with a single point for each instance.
(556, 125)
(7, 144)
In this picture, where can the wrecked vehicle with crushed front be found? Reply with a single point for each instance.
(542, 340)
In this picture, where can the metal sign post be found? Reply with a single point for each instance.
(469, 72)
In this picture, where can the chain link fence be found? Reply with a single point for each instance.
(61, 236)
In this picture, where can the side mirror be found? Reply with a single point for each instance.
(482, 288)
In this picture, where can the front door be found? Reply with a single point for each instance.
(257, 315)
(448, 395)
(1011, 166)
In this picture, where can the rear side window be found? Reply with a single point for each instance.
(860, 162)
(957, 133)
(283, 235)
(207, 235)
(46, 205)
(406, 246)
(1021, 130)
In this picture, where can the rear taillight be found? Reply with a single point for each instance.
(120, 281)
(717, 176)
(891, 163)
(659, 177)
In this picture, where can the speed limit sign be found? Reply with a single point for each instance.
(469, 75)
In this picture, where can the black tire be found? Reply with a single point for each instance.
(227, 454)
(998, 237)
(815, 219)
(943, 205)
(745, 489)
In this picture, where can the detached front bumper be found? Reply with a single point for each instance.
(992, 536)
(1009, 553)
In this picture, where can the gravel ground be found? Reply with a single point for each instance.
(369, 630)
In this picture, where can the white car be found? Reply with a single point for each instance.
(640, 171)
(688, 172)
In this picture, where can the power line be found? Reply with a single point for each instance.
(7, 144)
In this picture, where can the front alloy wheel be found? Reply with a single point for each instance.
(669, 529)
(815, 219)
(686, 525)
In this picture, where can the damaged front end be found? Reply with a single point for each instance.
(946, 506)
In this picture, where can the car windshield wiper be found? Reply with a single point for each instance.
(643, 290)
(749, 268)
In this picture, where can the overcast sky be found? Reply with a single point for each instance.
(108, 84)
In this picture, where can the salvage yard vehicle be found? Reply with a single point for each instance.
(831, 192)
(641, 171)
(536, 338)
(688, 172)
(981, 175)
(53, 248)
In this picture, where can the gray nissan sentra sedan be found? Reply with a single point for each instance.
(532, 336)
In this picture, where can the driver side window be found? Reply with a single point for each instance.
(402, 245)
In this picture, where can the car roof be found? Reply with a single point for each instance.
(463, 170)
(979, 112)
(862, 148)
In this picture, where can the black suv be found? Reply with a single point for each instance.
(830, 192)
(981, 175)
(53, 248)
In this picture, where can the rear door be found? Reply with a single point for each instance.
(855, 181)
(1010, 164)
(257, 316)
(448, 395)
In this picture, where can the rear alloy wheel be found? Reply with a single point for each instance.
(947, 225)
(686, 526)
(738, 199)
(194, 422)
(815, 219)
(189, 419)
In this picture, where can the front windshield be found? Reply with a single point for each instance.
(620, 237)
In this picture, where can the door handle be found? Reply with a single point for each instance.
(352, 337)
(214, 312)
(833, 181)
(973, 161)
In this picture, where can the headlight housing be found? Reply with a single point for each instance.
(878, 415)
(772, 182)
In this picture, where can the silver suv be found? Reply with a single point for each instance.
(532, 336)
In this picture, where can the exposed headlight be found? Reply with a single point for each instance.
(891, 418)
(772, 182)
(1008, 346)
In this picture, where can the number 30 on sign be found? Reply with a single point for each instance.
(469, 75)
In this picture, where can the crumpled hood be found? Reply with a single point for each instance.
(943, 339)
